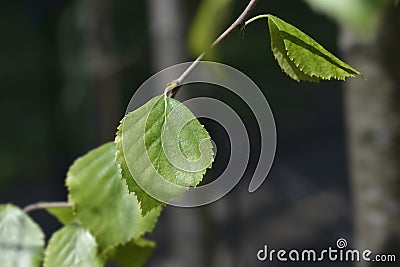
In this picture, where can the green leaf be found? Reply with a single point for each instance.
(64, 215)
(281, 55)
(146, 202)
(102, 202)
(301, 57)
(72, 246)
(162, 150)
(21, 239)
(210, 19)
(133, 254)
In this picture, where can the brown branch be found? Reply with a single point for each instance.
(238, 22)
(45, 205)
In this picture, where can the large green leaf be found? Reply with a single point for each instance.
(21, 239)
(133, 254)
(72, 246)
(301, 57)
(162, 150)
(102, 202)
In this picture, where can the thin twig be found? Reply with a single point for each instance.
(45, 205)
(238, 22)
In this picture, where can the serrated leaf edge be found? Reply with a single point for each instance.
(120, 157)
(47, 249)
(300, 66)
(127, 190)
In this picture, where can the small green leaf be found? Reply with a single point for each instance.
(72, 246)
(64, 215)
(281, 55)
(133, 254)
(301, 57)
(162, 150)
(21, 239)
(102, 202)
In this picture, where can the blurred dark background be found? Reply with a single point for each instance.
(69, 68)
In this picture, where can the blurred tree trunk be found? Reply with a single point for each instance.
(102, 67)
(373, 118)
(167, 29)
(181, 228)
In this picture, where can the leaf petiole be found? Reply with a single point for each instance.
(263, 16)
